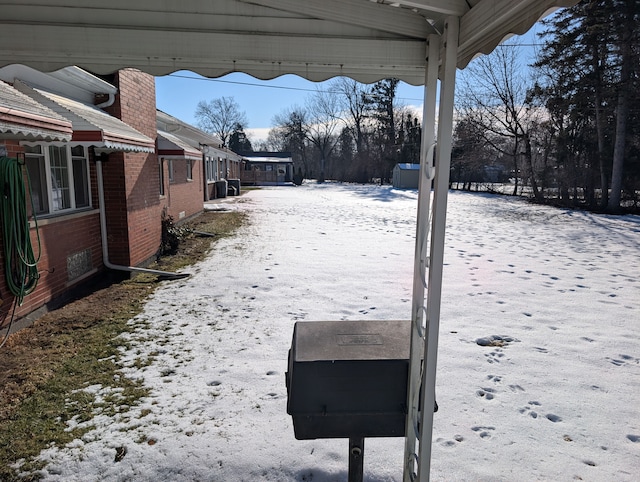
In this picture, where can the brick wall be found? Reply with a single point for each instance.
(134, 215)
(81, 235)
(184, 197)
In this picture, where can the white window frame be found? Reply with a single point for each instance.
(189, 170)
(161, 175)
(172, 176)
(45, 157)
(212, 174)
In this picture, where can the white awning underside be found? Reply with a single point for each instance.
(316, 39)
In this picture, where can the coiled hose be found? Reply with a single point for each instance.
(20, 262)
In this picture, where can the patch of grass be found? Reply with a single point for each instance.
(195, 245)
(50, 371)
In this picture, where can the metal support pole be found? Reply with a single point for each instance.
(420, 261)
(436, 257)
(356, 459)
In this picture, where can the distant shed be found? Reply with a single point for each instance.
(267, 168)
(406, 176)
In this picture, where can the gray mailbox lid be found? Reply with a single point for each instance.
(352, 340)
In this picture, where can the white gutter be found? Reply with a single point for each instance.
(108, 103)
(105, 246)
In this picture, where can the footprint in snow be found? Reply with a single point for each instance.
(494, 378)
(483, 432)
(450, 443)
(529, 409)
(486, 393)
(494, 356)
(622, 360)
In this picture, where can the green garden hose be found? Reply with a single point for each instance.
(20, 262)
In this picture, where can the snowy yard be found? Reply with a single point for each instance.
(560, 401)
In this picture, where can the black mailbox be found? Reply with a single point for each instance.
(348, 379)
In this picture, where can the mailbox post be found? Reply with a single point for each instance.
(348, 379)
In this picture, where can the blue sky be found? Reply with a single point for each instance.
(178, 94)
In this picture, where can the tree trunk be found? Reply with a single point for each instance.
(622, 109)
(515, 169)
(604, 181)
(537, 194)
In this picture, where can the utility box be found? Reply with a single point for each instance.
(221, 188)
(234, 187)
(348, 379)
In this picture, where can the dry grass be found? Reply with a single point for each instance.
(44, 367)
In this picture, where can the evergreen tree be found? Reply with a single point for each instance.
(382, 106)
(591, 66)
(238, 141)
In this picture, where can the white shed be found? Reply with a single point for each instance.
(406, 176)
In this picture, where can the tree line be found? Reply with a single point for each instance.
(562, 130)
(350, 132)
(565, 130)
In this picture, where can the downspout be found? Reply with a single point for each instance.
(107, 103)
(105, 247)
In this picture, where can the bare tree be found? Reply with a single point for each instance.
(290, 134)
(323, 109)
(353, 105)
(221, 117)
(494, 98)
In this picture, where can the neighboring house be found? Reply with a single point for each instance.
(406, 176)
(99, 187)
(267, 168)
(218, 165)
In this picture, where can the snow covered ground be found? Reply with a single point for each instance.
(558, 402)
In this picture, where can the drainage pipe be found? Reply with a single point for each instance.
(108, 103)
(105, 246)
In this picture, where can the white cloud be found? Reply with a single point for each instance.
(258, 133)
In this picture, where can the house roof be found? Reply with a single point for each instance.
(72, 82)
(270, 160)
(408, 167)
(92, 126)
(192, 135)
(170, 145)
(21, 117)
(316, 39)
(267, 157)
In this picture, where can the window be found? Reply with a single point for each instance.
(59, 168)
(189, 170)
(211, 169)
(36, 169)
(80, 176)
(171, 173)
(161, 175)
(59, 177)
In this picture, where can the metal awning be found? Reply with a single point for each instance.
(316, 39)
(91, 126)
(21, 117)
(171, 146)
